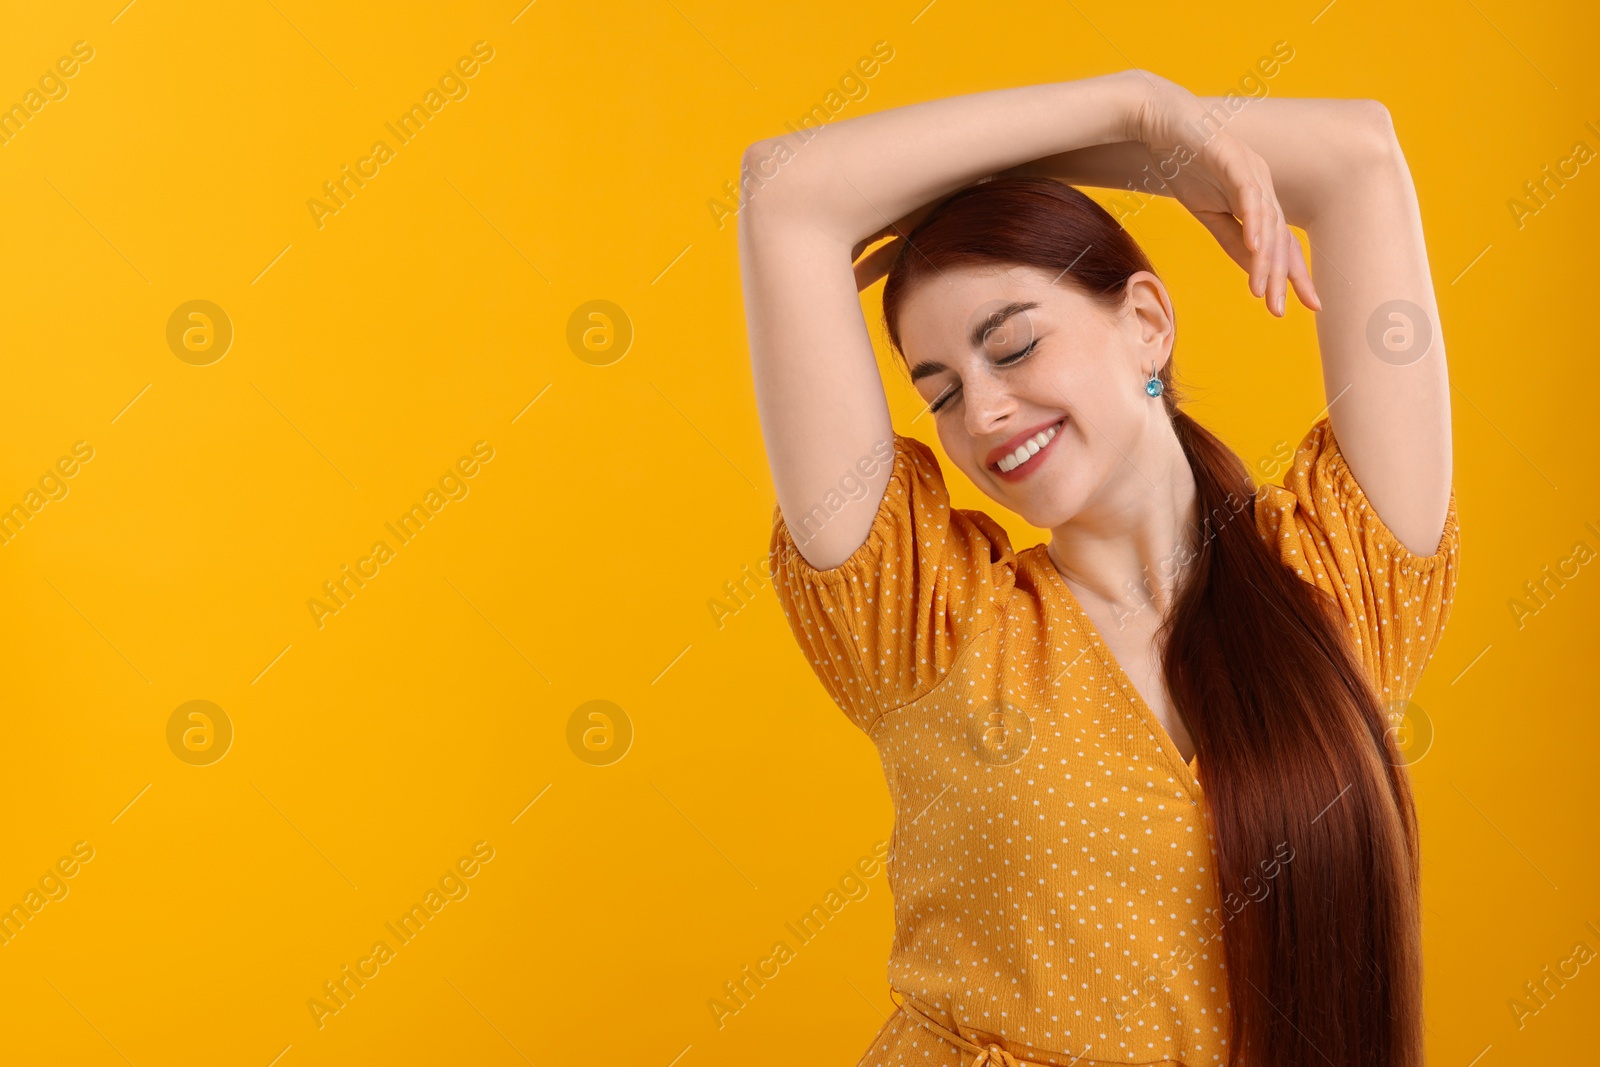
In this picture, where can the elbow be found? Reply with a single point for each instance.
(766, 172)
(754, 153)
(1375, 133)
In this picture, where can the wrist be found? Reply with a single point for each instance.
(1135, 100)
(1140, 95)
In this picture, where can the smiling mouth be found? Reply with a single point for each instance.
(1022, 461)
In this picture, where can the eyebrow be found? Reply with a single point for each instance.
(975, 340)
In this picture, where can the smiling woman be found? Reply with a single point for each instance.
(1149, 769)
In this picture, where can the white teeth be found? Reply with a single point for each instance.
(1027, 450)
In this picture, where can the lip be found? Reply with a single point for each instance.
(1016, 475)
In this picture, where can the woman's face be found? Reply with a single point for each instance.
(1005, 356)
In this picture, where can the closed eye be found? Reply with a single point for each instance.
(946, 396)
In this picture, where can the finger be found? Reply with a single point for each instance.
(1229, 233)
(1272, 284)
(1279, 300)
(875, 264)
(1291, 248)
(1259, 226)
(898, 228)
(1300, 275)
(866, 242)
(1253, 227)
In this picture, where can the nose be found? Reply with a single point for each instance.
(987, 404)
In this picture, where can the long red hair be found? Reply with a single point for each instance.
(1326, 968)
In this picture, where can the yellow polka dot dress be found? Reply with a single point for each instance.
(1051, 863)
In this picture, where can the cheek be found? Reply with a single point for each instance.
(1055, 379)
(1110, 408)
(1083, 461)
(963, 455)
(956, 444)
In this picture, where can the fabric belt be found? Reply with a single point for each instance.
(992, 1053)
(988, 1055)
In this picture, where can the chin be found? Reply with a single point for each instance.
(1044, 507)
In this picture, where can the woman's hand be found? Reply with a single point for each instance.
(1226, 186)
(1220, 180)
(876, 264)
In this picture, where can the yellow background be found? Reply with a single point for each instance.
(430, 312)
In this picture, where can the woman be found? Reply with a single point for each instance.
(1065, 891)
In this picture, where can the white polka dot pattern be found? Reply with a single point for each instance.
(1396, 603)
(1054, 900)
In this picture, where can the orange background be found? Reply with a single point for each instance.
(431, 712)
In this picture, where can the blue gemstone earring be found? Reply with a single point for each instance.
(1153, 386)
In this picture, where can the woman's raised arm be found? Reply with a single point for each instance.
(824, 414)
(1339, 174)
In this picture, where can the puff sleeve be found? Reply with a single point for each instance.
(881, 629)
(1396, 603)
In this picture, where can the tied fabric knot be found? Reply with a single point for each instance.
(991, 1055)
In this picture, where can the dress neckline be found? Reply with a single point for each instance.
(1186, 770)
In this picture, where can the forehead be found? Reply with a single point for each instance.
(943, 310)
(953, 290)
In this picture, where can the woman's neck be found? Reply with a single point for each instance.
(1131, 545)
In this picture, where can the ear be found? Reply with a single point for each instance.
(1153, 318)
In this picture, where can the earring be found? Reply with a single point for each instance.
(1153, 386)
